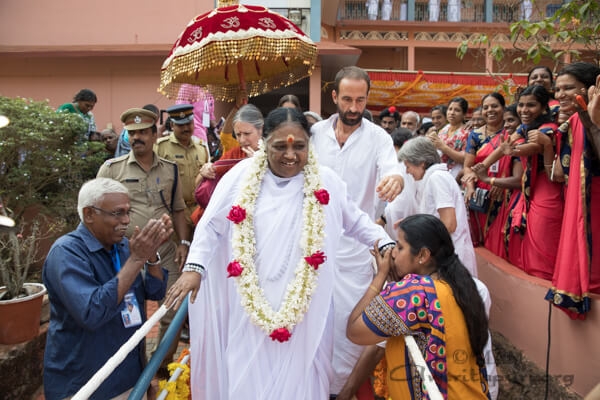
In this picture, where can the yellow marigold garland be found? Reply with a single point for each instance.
(179, 389)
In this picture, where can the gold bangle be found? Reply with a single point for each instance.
(373, 288)
(492, 181)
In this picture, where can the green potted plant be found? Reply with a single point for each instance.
(43, 161)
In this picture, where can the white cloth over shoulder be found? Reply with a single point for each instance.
(438, 189)
(403, 205)
(231, 357)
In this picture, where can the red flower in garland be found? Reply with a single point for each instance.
(237, 214)
(322, 196)
(234, 269)
(316, 259)
(281, 335)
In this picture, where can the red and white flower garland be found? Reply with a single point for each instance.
(278, 324)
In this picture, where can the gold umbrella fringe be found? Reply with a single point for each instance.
(228, 92)
(223, 82)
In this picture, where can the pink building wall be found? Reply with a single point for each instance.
(51, 50)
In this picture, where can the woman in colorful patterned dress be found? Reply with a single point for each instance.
(451, 140)
(432, 297)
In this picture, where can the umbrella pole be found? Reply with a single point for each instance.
(240, 69)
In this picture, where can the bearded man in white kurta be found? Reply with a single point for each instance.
(363, 156)
(237, 352)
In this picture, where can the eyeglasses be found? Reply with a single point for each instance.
(115, 214)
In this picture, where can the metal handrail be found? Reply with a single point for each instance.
(141, 387)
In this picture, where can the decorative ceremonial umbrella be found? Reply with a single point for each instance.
(238, 47)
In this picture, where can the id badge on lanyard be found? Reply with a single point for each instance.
(130, 311)
(130, 308)
(495, 167)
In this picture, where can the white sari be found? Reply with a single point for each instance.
(231, 357)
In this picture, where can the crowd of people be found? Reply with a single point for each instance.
(310, 247)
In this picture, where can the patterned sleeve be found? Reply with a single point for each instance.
(461, 140)
(548, 129)
(403, 307)
(472, 142)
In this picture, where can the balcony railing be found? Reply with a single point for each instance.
(502, 11)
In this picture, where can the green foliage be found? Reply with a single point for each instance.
(44, 160)
(575, 27)
(43, 157)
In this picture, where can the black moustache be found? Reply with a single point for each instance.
(138, 142)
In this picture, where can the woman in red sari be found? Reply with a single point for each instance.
(247, 124)
(543, 197)
(577, 268)
(504, 236)
(481, 143)
(542, 75)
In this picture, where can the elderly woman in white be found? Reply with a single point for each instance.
(437, 193)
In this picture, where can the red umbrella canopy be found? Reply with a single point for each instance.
(240, 46)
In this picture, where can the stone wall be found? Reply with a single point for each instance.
(21, 367)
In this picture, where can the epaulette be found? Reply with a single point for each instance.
(111, 161)
(162, 139)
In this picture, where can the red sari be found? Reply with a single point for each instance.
(491, 224)
(206, 188)
(545, 206)
(577, 268)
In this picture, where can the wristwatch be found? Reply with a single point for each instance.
(152, 264)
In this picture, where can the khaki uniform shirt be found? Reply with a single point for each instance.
(150, 193)
(189, 159)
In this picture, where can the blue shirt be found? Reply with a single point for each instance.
(123, 146)
(86, 327)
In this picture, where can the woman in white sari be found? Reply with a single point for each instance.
(437, 193)
(262, 326)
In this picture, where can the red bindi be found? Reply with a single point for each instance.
(290, 139)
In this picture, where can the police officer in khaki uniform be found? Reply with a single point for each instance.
(189, 155)
(154, 189)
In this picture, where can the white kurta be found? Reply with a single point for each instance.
(438, 189)
(403, 205)
(367, 156)
(231, 357)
